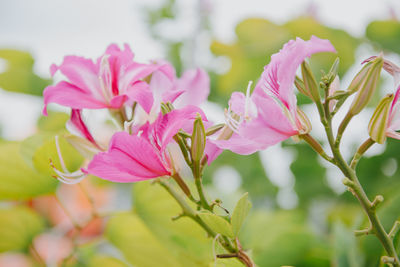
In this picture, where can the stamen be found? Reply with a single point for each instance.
(128, 126)
(246, 103)
(65, 176)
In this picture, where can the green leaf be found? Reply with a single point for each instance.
(184, 237)
(19, 76)
(217, 223)
(137, 243)
(240, 212)
(19, 180)
(105, 261)
(385, 33)
(55, 121)
(18, 226)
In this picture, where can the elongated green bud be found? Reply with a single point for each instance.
(298, 82)
(198, 140)
(378, 123)
(333, 72)
(356, 83)
(213, 129)
(367, 87)
(310, 84)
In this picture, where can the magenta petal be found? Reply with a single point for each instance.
(168, 125)
(76, 123)
(239, 145)
(278, 76)
(67, 94)
(271, 125)
(140, 92)
(129, 159)
(80, 72)
(196, 85)
(172, 95)
(212, 151)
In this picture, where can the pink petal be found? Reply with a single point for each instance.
(271, 125)
(212, 151)
(238, 144)
(76, 123)
(129, 159)
(82, 73)
(168, 125)
(278, 76)
(134, 72)
(140, 92)
(196, 85)
(67, 94)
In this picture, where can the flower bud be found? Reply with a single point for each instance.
(357, 80)
(310, 85)
(378, 123)
(213, 129)
(367, 85)
(298, 82)
(333, 72)
(198, 140)
(304, 121)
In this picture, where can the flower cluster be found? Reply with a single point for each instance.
(144, 150)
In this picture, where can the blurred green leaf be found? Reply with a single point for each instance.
(282, 238)
(240, 213)
(19, 76)
(19, 180)
(18, 226)
(55, 121)
(310, 176)
(385, 33)
(105, 261)
(217, 223)
(344, 43)
(137, 243)
(187, 240)
(346, 252)
(258, 39)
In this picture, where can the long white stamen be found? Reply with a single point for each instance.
(247, 101)
(63, 166)
(65, 176)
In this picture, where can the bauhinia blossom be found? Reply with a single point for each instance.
(107, 83)
(270, 114)
(192, 88)
(143, 155)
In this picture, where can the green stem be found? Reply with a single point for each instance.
(316, 146)
(342, 127)
(361, 150)
(190, 213)
(199, 185)
(357, 189)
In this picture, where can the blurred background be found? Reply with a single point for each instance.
(302, 215)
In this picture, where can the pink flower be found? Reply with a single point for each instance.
(192, 88)
(108, 83)
(270, 115)
(144, 155)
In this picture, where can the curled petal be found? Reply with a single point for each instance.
(67, 94)
(129, 159)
